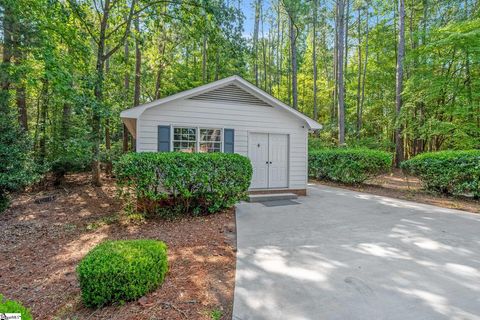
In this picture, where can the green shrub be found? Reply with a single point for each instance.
(449, 172)
(17, 169)
(122, 270)
(174, 183)
(11, 306)
(347, 165)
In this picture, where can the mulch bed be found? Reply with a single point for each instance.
(45, 234)
(397, 185)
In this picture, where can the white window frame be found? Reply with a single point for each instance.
(197, 136)
(172, 141)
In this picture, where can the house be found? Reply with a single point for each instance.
(230, 115)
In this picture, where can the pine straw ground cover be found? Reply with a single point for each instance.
(45, 234)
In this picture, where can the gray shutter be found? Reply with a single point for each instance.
(228, 140)
(163, 138)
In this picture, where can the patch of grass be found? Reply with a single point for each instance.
(216, 314)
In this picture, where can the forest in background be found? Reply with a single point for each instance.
(398, 75)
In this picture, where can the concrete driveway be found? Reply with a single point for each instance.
(339, 254)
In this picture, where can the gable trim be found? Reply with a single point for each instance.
(247, 86)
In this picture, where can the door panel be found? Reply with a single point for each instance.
(278, 161)
(258, 154)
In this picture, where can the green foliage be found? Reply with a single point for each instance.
(449, 172)
(173, 183)
(17, 169)
(75, 156)
(122, 270)
(11, 306)
(348, 165)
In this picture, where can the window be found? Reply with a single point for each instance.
(184, 139)
(210, 140)
(197, 139)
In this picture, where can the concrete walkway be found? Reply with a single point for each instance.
(339, 254)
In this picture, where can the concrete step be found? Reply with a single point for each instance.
(271, 197)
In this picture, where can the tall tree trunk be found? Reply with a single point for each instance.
(279, 50)
(138, 74)
(258, 4)
(20, 89)
(399, 149)
(359, 82)
(126, 86)
(364, 76)
(138, 64)
(22, 106)
(264, 55)
(42, 143)
(204, 59)
(98, 93)
(345, 64)
(341, 89)
(293, 50)
(335, 69)
(5, 78)
(314, 59)
(217, 64)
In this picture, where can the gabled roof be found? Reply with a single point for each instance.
(134, 113)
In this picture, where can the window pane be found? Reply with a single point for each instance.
(188, 147)
(184, 139)
(210, 147)
(210, 135)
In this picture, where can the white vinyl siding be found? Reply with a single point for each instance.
(241, 117)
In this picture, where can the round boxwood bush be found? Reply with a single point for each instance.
(122, 270)
(12, 306)
(348, 165)
(449, 172)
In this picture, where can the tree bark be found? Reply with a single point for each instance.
(341, 89)
(20, 90)
(293, 52)
(42, 143)
(399, 148)
(364, 76)
(98, 93)
(5, 78)
(359, 80)
(345, 64)
(204, 59)
(314, 59)
(138, 64)
(258, 4)
(126, 86)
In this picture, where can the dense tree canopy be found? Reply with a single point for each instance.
(69, 67)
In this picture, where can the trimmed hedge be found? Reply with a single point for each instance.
(449, 172)
(12, 306)
(122, 270)
(173, 183)
(348, 165)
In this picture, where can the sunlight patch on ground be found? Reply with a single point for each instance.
(379, 250)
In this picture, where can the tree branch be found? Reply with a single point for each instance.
(82, 20)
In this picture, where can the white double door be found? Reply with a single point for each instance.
(268, 153)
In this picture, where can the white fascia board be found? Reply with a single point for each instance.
(135, 112)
